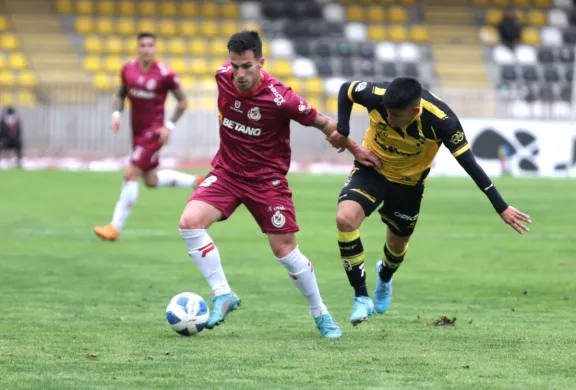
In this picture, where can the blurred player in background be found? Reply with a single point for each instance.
(11, 133)
(250, 168)
(146, 83)
(407, 127)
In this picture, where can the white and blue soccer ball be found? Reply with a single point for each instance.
(187, 313)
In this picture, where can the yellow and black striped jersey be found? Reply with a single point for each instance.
(407, 152)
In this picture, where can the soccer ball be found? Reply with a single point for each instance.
(187, 313)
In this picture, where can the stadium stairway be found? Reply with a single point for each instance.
(48, 49)
(455, 46)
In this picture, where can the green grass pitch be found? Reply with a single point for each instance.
(80, 313)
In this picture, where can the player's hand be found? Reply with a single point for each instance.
(366, 157)
(163, 135)
(337, 140)
(115, 124)
(515, 218)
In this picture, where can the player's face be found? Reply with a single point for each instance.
(147, 49)
(246, 69)
(400, 118)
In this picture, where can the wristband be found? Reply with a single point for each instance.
(169, 125)
(116, 114)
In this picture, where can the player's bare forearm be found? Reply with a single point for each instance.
(324, 123)
(182, 104)
(119, 98)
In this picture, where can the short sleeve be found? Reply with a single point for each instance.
(298, 109)
(366, 93)
(172, 81)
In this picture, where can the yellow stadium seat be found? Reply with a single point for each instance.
(489, 35)
(530, 36)
(6, 98)
(102, 81)
(126, 7)
(522, 3)
(543, 3)
(125, 26)
(206, 102)
(105, 26)
(481, 2)
(64, 6)
(209, 28)
(187, 82)
(9, 42)
(537, 18)
(199, 67)
(377, 32)
(2, 62)
(187, 28)
(113, 64)
(178, 65)
(188, 9)
(84, 25)
(92, 63)
(167, 27)
(376, 13)
(408, 2)
(219, 47)
(146, 8)
(207, 83)
(419, 34)
(209, 10)
(93, 44)
(398, 14)
(114, 45)
(296, 84)
(26, 98)
(198, 47)
(355, 13)
(7, 78)
(17, 61)
(281, 68)
(398, 33)
(501, 3)
(177, 46)
(228, 27)
(84, 7)
(146, 25)
(493, 16)
(229, 10)
(3, 23)
(317, 102)
(332, 105)
(106, 7)
(250, 25)
(168, 8)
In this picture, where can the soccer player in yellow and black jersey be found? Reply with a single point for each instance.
(407, 127)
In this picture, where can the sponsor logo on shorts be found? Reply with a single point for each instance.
(278, 219)
(278, 99)
(406, 217)
(241, 128)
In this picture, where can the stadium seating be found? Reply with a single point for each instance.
(17, 81)
(536, 76)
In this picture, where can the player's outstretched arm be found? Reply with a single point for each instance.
(118, 106)
(509, 214)
(165, 131)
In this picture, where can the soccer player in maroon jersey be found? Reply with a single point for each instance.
(146, 83)
(250, 168)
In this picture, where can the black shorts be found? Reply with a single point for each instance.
(370, 189)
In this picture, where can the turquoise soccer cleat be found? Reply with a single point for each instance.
(383, 292)
(362, 309)
(221, 306)
(328, 327)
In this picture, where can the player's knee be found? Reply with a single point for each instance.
(282, 244)
(397, 244)
(347, 221)
(150, 183)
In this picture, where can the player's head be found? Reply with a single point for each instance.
(245, 48)
(402, 101)
(146, 46)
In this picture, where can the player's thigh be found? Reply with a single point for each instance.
(362, 193)
(145, 155)
(150, 178)
(272, 207)
(132, 172)
(213, 200)
(401, 208)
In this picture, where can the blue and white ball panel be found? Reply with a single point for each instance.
(187, 313)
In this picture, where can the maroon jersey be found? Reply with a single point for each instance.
(255, 127)
(147, 91)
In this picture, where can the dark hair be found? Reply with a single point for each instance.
(402, 93)
(146, 35)
(246, 40)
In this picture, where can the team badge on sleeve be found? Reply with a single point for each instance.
(360, 87)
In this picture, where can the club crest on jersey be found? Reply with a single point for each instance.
(254, 114)
(140, 80)
(278, 219)
(151, 85)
